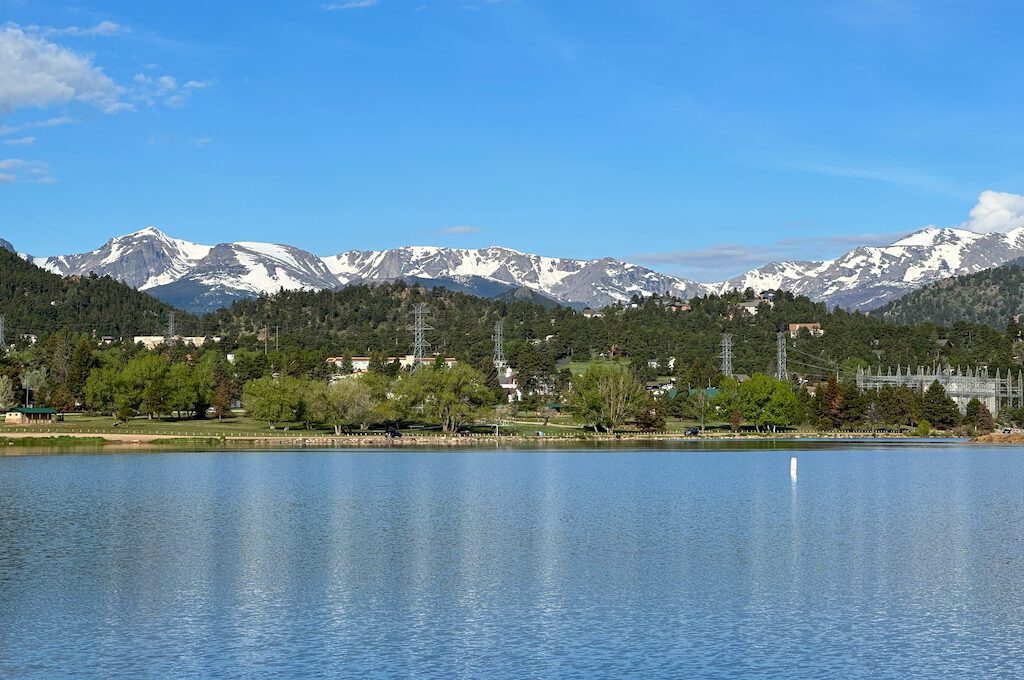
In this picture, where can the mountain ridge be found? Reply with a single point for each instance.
(202, 278)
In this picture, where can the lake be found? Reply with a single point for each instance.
(882, 560)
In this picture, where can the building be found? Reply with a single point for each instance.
(814, 329)
(591, 313)
(29, 416)
(507, 379)
(678, 308)
(750, 306)
(362, 364)
(154, 341)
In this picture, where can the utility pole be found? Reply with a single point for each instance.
(499, 344)
(726, 355)
(419, 330)
(266, 338)
(780, 356)
(277, 338)
(3, 336)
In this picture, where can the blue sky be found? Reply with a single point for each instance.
(698, 138)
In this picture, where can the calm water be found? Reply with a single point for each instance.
(880, 562)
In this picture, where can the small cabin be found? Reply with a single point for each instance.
(29, 416)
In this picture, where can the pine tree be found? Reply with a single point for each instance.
(223, 390)
(938, 409)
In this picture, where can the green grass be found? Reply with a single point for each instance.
(59, 440)
(238, 426)
(579, 367)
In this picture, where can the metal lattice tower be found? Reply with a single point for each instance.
(172, 329)
(3, 333)
(780, 357)
(419, 330)
(726, 355)
(499, 344)
(961, 385)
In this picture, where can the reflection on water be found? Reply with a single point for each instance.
(880, 561)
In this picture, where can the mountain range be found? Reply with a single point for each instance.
(202, 278)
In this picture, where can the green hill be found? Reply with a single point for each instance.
(990, 297)
(36, 301)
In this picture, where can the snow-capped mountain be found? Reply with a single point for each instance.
(591, 282)
(870, 276)
(201, 278)
(143, 259)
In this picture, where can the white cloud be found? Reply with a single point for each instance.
(460, 229)
(38, 72)
(32, 125)
(103, 29)
(166, 89)
(20, 141)
(21, 170)
(909, 177)
(349, 4)
(996, 211)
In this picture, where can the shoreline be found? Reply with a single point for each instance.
(42, 440)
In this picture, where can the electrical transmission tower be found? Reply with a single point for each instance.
(172, 328)
(419, 330)
(780, 356)
(499, 344)
(3, 334)
(726, 355)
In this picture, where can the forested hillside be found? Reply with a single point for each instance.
(363, 320)
(36, 301)
(990, 297)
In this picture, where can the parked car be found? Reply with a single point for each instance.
(693, 432)
(392, 433)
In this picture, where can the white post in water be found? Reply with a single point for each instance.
(792, 468)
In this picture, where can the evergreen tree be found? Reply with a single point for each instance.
(939, 410)
(7, 399)
(827, 405)
(223, 390)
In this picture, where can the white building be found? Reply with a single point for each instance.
(362, 364)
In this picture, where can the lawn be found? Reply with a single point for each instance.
(238, 426)
(579, 367)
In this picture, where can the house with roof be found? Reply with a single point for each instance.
(29, 416)
(814, 329)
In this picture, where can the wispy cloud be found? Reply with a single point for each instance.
(32, 125)
(103, 29)
(460, 229)
(349, 4)
(21, 170)
(20, 141)
(909, 177)
(724, 260)
(166, 89)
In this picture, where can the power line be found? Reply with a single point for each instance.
(780, 356)
(726, 355)
(499, 344)
(419, 330)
